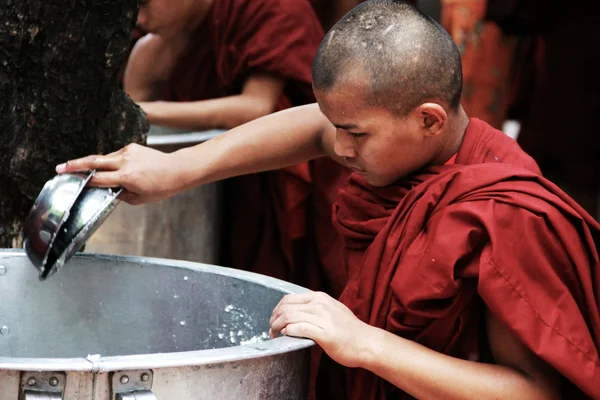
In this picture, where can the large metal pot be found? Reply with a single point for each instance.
(110, 327)
(183, 227)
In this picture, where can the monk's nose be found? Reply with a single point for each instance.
(343, 145)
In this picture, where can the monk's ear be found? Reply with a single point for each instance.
(433, 118)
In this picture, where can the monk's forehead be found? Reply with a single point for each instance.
(352, 74)
(352, 85)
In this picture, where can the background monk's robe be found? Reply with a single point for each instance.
(558, 93)
(487, 58)
(274, 222)
(426, 254)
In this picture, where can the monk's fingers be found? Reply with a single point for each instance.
(296, 317)
(107, 179)
(287, 308)
(305, 330)
(299, 298)
(109, 162)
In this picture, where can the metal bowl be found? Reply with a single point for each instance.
(49, 212)
(63, 217)
(89, 211)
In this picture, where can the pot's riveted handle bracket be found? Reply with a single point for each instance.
(132, 385)
(43, 385)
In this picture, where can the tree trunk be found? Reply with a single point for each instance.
(60, 98)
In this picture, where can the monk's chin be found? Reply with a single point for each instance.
(373, 181)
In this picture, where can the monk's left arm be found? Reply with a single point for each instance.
(427, 374)
(259, 97)
(417, 370)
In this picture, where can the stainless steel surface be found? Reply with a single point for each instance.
(161, 137)
(182, 139)
(199, 329)
(141, 395)
(50, 210)
(28, 395)
(183, 227)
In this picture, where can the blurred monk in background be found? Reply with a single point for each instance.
(487, 59)
(208, 64)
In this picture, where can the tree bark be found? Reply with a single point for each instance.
(60, 97)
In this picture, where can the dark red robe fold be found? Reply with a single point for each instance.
(424, 255)
(272, 220)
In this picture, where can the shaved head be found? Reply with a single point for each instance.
(405, 56)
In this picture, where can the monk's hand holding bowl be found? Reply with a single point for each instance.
(146, 175)
(317, 316)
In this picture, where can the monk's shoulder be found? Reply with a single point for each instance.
(491, 145)
(150, 46)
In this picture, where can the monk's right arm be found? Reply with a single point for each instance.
(275, 141)
(278, 140)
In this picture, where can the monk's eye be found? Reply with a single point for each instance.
(356, 134)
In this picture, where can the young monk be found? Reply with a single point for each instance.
(218, 64)
(470, 275)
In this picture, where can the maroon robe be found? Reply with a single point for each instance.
(272, 220)
(426, 256)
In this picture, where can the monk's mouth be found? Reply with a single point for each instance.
(357, 170)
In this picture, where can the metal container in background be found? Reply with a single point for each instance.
(184, 227)
(120, 328)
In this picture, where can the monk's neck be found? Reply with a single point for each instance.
(457, 127)
(198, 17)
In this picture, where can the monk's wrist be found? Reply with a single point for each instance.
(184, 175)
(371, 347)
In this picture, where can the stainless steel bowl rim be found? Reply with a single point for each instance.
(163, 360)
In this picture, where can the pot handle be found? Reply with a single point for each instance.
(138, 395)
(29, 395)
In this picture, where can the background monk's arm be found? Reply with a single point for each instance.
(427, 374)
(259, 97)
(148, 67)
